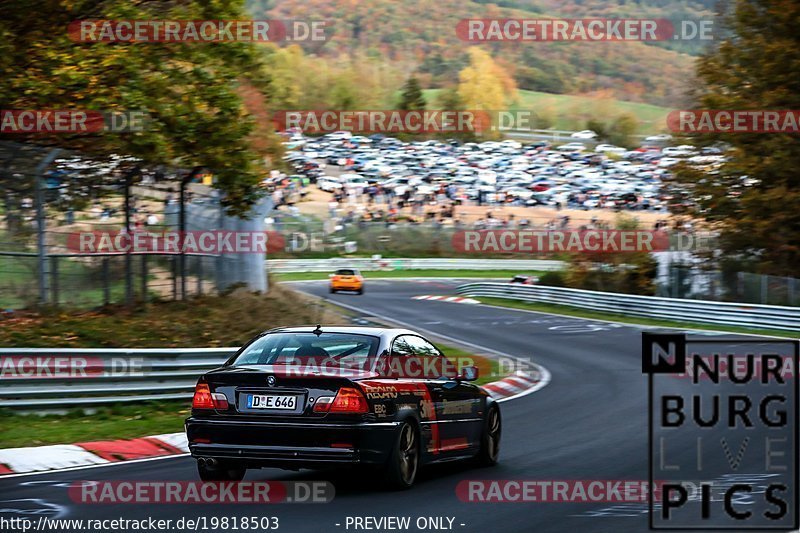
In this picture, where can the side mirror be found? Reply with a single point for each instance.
(469, 373)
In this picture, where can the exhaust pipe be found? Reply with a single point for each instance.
(202, 461)
(211, 462)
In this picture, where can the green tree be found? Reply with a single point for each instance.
(412, 99)
(450, 99)
(622, 129)
(754, 199)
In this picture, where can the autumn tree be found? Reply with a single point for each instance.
(754, 199)
(189, 91)
(485, 85)
(288, 73)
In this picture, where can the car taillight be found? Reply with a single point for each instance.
(204, 399)
(349, 400)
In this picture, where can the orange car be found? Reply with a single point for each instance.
(347, 279)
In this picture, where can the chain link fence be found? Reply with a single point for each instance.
(49, 197)
(694, 282)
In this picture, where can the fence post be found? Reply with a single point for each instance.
(40, 223)
(740, 287)
(106, 283)
(174, 265)
(188, 178)
(128, 260)
(219, 267)
(54, 280)
(763, 289)
(182, 235)
(199, 275)
(144, 279)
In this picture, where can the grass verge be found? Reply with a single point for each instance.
(207, 321)
(598, 315)
(105, 423)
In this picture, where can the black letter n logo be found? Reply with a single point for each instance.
(663, 353)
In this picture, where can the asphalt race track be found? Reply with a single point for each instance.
(589, 422)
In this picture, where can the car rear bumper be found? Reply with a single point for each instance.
(291, 445)
(346, 286)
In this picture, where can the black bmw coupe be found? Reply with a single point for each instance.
(311, 397)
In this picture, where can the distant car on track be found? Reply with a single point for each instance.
(306, 397)
(524, 279)
(585, 134)
(347, 279)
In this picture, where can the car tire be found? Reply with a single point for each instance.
(332, 290)
(221, 472)
(403, 464)
(490, 438)
(361, 290)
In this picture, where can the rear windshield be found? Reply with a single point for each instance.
(345, 272)
(331, 350)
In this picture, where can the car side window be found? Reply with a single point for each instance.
(401, 346)
(433, 363)
(399, 359)
(422, 348)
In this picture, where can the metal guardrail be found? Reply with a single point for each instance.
(699, 311)
(368, 264)
(108, 375)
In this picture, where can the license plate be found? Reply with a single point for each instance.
(271, 401)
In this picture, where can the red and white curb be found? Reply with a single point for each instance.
(518, 384)
(99, 453)
(453, 299)
(95, 453)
